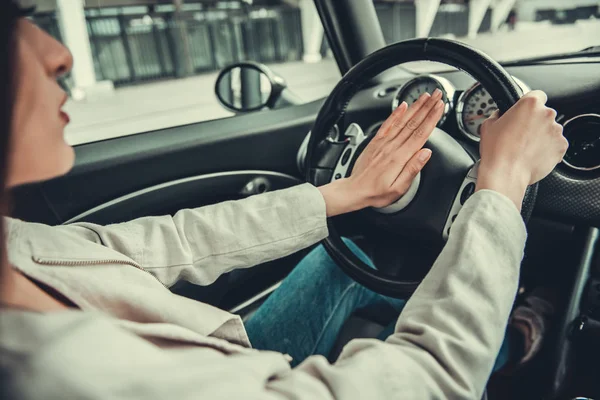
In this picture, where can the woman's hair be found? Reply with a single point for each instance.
(9, 14)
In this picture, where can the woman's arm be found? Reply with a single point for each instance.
(451, 329)
(201, 244)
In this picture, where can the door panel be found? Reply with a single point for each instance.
(197, 191)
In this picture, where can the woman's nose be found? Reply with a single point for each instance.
(64, 61)
(59, 59)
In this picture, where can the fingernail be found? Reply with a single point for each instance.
(425, 95)
(424, 155)
(439, 104)
(403, 104)
(437, 93)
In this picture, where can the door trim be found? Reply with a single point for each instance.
(251, 174)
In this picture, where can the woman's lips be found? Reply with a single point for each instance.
(63, 114)
(65, 117)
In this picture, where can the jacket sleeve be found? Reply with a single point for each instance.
(201, 244)
(448, 335)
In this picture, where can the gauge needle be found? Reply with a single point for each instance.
(476, 117)
(591, 145)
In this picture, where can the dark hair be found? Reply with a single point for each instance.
(8, 18)
(9, 14)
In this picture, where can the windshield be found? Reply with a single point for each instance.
(507, 30)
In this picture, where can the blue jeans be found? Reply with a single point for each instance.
(305, 314)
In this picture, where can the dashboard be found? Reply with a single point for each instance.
(472, 107)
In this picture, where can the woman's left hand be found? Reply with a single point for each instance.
(386, 168)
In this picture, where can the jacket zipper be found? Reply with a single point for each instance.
(82, 263)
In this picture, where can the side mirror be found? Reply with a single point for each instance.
(249, 86)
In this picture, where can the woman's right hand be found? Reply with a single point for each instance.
(386, 168)
(520, 148)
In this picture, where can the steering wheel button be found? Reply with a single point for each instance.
(467, 192)
(474, 171)
(346, 156)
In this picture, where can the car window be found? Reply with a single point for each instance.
(152, 65)
(506, 30)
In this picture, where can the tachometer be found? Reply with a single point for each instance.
(474, 106)
(414, 88)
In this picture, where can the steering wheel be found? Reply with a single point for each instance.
(429, 207)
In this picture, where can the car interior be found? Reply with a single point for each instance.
(287, 143)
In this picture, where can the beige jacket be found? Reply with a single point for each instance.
(134, 339)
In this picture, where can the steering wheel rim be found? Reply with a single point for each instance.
(488, 72)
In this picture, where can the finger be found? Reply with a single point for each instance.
(398, 125)
(538, 94)
(392, 120)
(420, 135)
(410, 171)
(564, 146)
(414, 124)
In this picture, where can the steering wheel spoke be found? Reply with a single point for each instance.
(467, 188)
(354, 138)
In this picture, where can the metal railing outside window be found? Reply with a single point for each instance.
(143, 43)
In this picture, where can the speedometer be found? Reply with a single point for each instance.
(474, 106)
(414, 88)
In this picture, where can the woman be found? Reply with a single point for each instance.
(85, 313)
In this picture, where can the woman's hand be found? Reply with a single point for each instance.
(520, 148)
(387, 166)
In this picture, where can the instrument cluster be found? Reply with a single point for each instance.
(473, 106)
